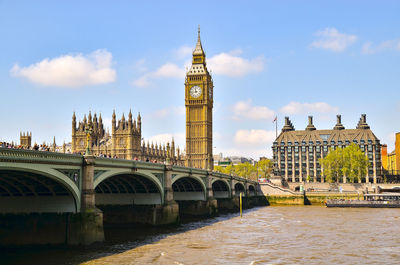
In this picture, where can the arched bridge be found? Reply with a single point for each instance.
(32, 181)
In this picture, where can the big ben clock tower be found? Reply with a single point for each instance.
(199, 106)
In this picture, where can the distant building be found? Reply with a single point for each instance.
(391, 161)
(296, 153)
(25, 139)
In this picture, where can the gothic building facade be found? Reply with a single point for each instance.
(125, 140)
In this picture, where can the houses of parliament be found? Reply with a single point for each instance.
(126, 142)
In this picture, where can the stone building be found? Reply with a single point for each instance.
(199, 110)
(125, 140)
(296, 153)
(391, 161)
(25, 139)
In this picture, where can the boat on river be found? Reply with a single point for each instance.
(374, 200)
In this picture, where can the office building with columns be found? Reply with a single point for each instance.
(297, 153)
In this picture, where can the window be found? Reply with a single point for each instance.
(289, 143)
(332, 142)
(289, 149)
(325, 142)
(340, 142)
(369, 148)
(296, 143)
(362, 142)
(282, 143)
(310, 149)
(296, 149)
(355, 141)
(347, 142)
(325, 149)
(318, 142)
(303, 149)
(310, 142)
(318, 149)
(369, 141)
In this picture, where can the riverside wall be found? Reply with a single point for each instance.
(278, 196)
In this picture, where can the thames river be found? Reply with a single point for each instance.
(268, 235)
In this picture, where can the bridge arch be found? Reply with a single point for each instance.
(221, 188)
(189, 188)
(239, 187)
(251, 190)
(26, 190)
(128, 188)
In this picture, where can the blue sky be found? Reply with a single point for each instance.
(284, 58)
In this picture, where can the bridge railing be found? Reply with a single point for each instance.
(9, 154)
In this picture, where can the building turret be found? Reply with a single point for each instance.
(113, 123)
(310, 126)
(173, 147)
(339, 125)
(130, 121)
(90, 117)
(73, 123)
(139, 123)
(54, 144)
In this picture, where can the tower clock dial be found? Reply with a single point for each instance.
(195, 91)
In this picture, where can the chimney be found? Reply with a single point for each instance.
(310, 126)
(339, 125)
(288, 125)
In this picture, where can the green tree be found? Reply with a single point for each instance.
(219, 169)
(264, 167)
(244, 170)
(350, 162)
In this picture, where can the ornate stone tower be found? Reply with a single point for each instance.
(25, 139)
(199, 106)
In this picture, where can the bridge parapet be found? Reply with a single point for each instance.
(15, 155)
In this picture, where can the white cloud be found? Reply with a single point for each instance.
(70, 70)
(332, 39)
(245, 110)
(140, 65)
(230, 64)
(163, 113)
(168, 70)
(254, 137)
(179, 139)
(183, 52)
(368, 47)
(306, 108)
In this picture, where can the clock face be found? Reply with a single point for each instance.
(195, 91)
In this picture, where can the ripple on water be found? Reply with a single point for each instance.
(272, 235)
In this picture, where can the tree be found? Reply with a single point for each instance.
(244, 169)
(350, 162)
(219, 169)
(264, 167)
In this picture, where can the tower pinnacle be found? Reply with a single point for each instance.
(198, 50)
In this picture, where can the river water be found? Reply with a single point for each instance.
(267, 235)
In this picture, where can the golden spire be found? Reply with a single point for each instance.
(199, 49)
